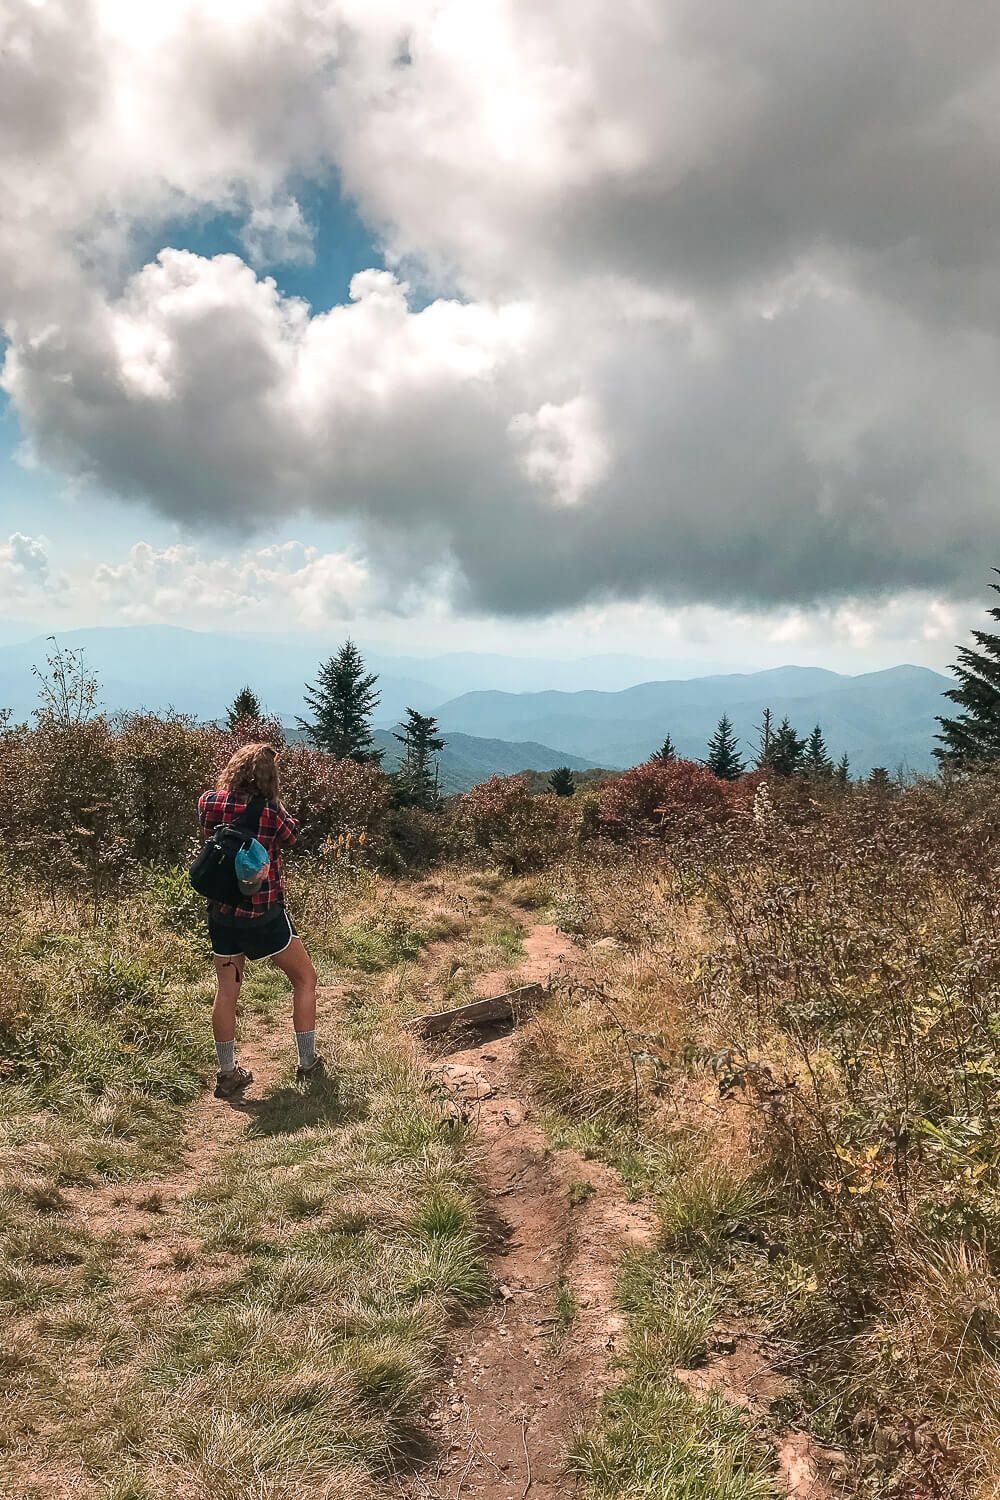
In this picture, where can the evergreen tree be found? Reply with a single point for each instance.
(417, 778)
(561, 782)
(343, 700)
(878, 779)
(246, 705)
(666, 753)
(723, 758)
(766, 731)
(843, 771)
(817, 760)
(973, 736)
(785, 750)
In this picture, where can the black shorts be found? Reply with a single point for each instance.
(250, 937)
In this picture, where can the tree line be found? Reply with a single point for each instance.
(780, 749)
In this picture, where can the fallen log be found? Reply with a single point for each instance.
(509, 1007)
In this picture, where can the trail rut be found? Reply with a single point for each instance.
(525, 1379)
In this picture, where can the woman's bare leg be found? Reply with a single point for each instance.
(229, 977)
(295, 962)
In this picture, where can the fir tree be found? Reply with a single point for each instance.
(843, 771)
(879, 780)
(561, 782)
(666, 753)
(723, 758)
(816, 759)
(973, 736)
(343, 700)
(785, 750)
(246, 705)
(417, 778)
(766, 731)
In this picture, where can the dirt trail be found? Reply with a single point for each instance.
(148, 1215)
(524, 1380)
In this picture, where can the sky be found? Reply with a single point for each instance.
(661, 326)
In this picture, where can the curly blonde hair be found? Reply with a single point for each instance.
(252, 772)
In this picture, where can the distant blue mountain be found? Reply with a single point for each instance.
(156, 666)
(467, 760)
(881, 718)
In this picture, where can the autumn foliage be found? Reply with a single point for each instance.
(502, 819)
(671, 795)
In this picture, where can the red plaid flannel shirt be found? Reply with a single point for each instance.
(278, 831)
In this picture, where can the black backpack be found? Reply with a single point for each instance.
(213, 873)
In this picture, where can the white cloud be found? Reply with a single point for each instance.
(718, 303)
(26, 579)
(273, 588)
(276, 234)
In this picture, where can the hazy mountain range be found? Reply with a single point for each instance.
(880, 718)
(157, 665)
(467, 759)
(490, 706)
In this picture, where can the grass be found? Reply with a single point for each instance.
(564, 1310)
(659, 1441)
(654, 1437)
(278, 1332)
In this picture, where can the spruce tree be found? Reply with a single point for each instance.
(973, 736)
(246, 705)
(785, 750)
(561, 782)
(723, 758)
(666, 753)
(417, 778)
(879, 779)
(843, 771)
(816, 760)
(766, 731)
(343, 700)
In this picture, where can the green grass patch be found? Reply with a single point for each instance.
(659, 1441)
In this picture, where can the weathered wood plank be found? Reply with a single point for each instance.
(509, 1007)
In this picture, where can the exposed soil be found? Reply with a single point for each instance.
(525, 1378)
(749, 1375)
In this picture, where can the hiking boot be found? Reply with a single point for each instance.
(228, 1085)
(313, 1073)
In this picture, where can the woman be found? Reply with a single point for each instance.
(259, 927)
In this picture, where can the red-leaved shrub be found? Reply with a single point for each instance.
(675, 795)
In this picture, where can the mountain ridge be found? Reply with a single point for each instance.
(883, 717)
(876, 718)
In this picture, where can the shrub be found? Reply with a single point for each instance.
(334, 798)
(414, 838)
(66, 816)
(501, 818)
(677, 795)
(164, 764)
